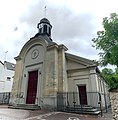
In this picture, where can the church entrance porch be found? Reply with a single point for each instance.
(32, 87)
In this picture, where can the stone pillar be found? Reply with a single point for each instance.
(50, 82)
(62, 75)
(16, 82)
(114, 103)
(93, 80)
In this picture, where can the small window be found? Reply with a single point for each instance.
(45, 29)
(49, 31)
(40, 30)
(8, 78)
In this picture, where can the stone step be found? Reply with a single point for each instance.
(26, 106)
(86, 110)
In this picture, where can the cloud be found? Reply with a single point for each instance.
(73, 30)
(65, 23)
(72, 26)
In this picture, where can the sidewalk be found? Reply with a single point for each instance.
(18, 114)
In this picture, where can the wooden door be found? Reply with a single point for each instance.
(82, 95)
(32, 87)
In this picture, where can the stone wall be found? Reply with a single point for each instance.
(114, 104)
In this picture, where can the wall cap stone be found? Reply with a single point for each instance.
(114, 90)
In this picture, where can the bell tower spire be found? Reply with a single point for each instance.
(44, 27)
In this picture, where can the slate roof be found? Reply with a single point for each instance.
(45, 37)
(9, 66)
(78, 59)
(1, 63)
(44, 20)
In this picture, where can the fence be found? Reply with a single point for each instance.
(73, 101)
(4, 98)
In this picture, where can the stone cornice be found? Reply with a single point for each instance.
(52, 46)
(76, 70)
(18, 58)
(61, 46)
(57, 46)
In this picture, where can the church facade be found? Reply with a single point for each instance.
(44, 68)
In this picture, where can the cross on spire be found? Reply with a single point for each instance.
(45, 12)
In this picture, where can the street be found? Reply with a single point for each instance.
(18, 114)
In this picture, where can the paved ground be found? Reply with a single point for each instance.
(18, 114)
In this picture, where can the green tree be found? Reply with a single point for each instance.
(111, 78)
(107, 41)
(116, 70)
(107, 71)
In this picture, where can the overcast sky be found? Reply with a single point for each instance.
(75, 23)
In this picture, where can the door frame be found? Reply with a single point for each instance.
(85, 94)
(28, 69)
(28, 84)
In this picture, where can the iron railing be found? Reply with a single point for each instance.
(4, 98)
(71, 100)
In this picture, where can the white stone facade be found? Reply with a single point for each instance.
(58, 71)
(6, 76)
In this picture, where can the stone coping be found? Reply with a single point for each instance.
(115, 90)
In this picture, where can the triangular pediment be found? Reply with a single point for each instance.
(76, 62)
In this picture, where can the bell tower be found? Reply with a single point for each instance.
(44, 27)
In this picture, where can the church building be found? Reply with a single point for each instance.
(44, 69)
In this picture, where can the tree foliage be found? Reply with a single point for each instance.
(111, 78)
(107, 41)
